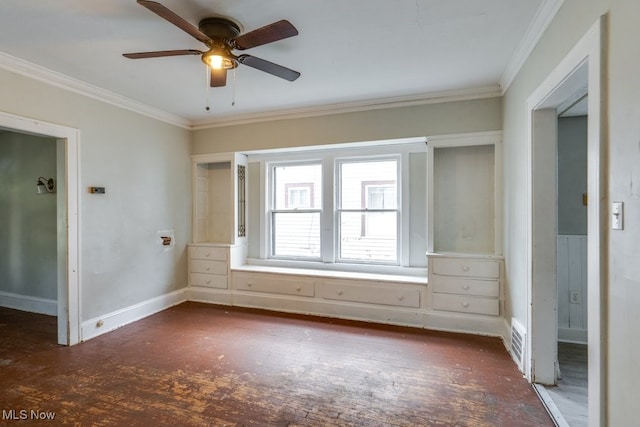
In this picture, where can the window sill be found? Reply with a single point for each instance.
(338, 274)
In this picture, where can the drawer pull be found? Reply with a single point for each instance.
(465, 287)
(208, 282)
(207, 255)
(465, 304)
(340, 292)
(207, 269)
(401, 298)
(298, 289)
(465, 268)
(249, 284)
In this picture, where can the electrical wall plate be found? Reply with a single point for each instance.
(617, 215)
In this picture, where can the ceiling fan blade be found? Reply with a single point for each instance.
(267, 34)
(269, 67)
(176, 20)
(218, 77)
(161, 53)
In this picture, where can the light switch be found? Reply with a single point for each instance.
(617, 215)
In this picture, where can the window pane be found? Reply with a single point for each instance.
(297, 187)
(296, 234)
(368, 236)
(369, 185)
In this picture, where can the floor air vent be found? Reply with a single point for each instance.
(518, 339)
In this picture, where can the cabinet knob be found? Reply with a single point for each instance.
(298, 289)
(340, 292)
(249, 284)
(465, 287)
(207, 255)
(465, 304)
(208, 282)
(465, 268)
(207, 269)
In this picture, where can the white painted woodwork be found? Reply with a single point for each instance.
(208, 265)
(464, 193)
(572, 288)
(584, 66)
(465, 283)
(215, 204)
(466, 304)
(386, 294)
(273, 284)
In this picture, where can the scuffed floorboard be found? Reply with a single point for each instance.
(204, 365)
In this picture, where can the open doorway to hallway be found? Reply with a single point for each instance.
(64, 299)
(580, 72)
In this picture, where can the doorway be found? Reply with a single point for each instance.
(67, 225)
(582, 71)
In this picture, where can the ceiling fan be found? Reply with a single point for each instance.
(222, 35)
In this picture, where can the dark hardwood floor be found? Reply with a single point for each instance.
(203, 365)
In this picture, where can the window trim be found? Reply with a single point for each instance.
(327, 155)
(337, 171)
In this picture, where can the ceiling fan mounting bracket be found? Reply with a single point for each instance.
(219, 28)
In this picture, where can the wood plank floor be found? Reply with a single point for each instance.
(570, 395)
(203, 365)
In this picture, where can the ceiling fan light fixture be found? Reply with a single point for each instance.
(219, 59)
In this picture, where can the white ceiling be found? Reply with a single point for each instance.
(355, 52)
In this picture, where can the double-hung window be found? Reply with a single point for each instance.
(296, 209)
(354, 207)
(367, 210)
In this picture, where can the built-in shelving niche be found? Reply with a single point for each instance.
(219, 189)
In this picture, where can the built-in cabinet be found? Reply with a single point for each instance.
(219, 229)
(465, 263)
(464, 290)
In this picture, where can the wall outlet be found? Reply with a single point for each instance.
(575, 297)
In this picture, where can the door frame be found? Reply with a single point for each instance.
(587, 57)
(68, 149)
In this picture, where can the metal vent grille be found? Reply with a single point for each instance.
(518, 339)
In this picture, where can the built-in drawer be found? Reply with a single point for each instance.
(273, 284)
(466, 267)
(208, 280)
(390, 294)
(208, 267)
(463, 286)
(208, 252)
(466, 304)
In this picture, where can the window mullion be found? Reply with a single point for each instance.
(327, 233)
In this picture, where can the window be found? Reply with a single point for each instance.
(296, 210)
(368, 211)
(357, 207)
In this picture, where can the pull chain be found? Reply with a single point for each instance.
(207, 75)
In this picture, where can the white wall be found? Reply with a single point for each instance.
(28, 229)
(145, 166)
(623, 288)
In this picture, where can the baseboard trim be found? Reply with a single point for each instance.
(108, 322)
(29, 303)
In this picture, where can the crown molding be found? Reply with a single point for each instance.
(352, 107)
(36, 72)
(545, 14)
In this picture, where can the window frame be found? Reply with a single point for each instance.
(338, 210)
(327, 154)
(271, 210)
